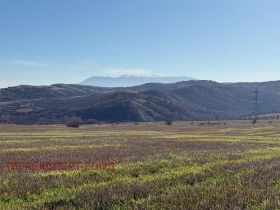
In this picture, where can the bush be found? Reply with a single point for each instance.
(169, 122)
(254, 121)
(74, 123)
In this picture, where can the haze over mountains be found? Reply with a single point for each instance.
(131, 80)
(187, 100)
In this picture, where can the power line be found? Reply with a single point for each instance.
(256, 100)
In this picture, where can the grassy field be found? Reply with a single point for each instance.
(183, 166)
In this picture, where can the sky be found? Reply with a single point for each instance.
(45, 42)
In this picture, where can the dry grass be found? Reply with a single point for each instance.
(182, 166)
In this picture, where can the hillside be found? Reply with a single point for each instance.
(28, 92)
(151, 105)
(188, 100)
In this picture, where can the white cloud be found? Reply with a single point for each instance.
(115, 72)
(29, 63)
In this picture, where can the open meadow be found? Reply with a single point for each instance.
(186, 165)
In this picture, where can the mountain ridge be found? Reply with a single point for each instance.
(131, 80)
(186, 100)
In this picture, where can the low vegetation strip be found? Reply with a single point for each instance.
(156, 166)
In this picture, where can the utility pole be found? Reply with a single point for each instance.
(256, 100)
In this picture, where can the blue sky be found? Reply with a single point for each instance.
(66, 41)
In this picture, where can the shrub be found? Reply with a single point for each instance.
(74, 122)
(169, 122)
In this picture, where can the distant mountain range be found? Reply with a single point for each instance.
(187, 100)
(131, 80)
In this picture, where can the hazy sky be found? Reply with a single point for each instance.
(66, 41)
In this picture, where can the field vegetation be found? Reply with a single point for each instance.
(186, 165)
